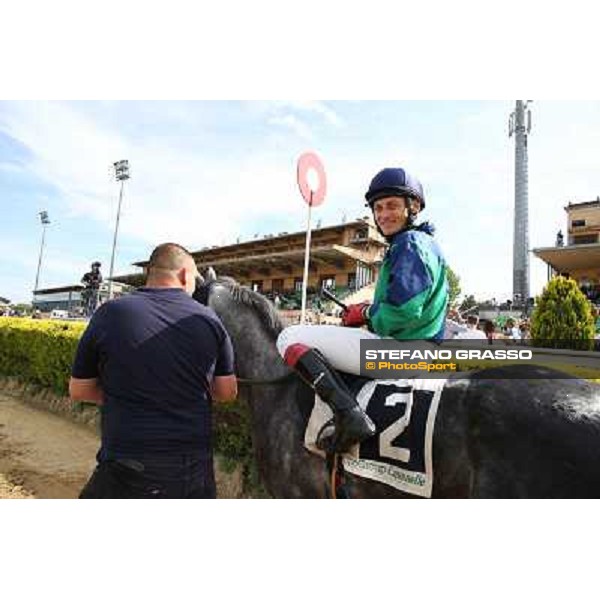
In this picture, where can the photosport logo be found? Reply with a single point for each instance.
(392, 359)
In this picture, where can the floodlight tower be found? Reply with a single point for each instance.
(519, 124)
(122, 175)
(45, 221)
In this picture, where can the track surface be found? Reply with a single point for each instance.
(41, 454)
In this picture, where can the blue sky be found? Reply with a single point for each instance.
(205, 173)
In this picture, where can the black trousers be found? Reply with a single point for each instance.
(152, 477)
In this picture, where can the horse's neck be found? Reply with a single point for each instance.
(254, 341)
(258, 358)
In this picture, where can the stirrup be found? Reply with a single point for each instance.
(328, 440)
(325, 437)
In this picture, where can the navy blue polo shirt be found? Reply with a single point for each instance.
(155, 353)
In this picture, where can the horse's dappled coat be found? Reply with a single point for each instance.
(494, 437)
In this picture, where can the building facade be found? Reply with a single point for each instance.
(343, 258)
(69, 297)
(579, 257)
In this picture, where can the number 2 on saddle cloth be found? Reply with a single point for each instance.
(401, 423)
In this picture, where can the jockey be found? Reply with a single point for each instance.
(410, 303)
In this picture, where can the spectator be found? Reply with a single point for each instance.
(454, 325)
(91, 294)
(472, 333)
(514, 333)
(489, 329)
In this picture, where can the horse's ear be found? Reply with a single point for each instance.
(210, 275)
(201, 290)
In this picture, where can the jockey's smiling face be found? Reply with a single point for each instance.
(391, 214)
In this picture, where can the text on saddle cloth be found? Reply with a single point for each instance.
(400, 453)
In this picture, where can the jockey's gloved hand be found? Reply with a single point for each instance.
(355, 315)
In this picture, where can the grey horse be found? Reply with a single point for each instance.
(494, 437)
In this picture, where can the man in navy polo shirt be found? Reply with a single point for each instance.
(153, 361)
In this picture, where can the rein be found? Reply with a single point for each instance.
(276, 381)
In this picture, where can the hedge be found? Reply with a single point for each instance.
(39, 352)
(42, 352)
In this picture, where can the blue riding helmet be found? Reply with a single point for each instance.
(394, 182)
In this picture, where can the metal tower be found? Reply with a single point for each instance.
(520, 125)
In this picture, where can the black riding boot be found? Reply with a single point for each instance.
(352, 425)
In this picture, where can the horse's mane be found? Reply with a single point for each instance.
(265, 310)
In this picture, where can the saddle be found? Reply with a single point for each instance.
(400, 454)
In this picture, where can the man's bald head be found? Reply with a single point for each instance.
(170, 257)
(171, 265)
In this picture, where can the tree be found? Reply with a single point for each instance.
(453, 287)
(467, 303)
(563, 317)
(22, 308)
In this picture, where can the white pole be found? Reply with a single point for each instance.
(112, 258)
(306, 259)
(37, 276)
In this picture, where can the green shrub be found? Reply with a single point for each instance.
(39, 352)
(233, 439)
(563, 317)
(42, 352)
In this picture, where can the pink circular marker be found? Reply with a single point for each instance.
(311, 179)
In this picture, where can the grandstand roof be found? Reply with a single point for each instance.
(574, 257)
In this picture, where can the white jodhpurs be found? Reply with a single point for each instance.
(339, 345)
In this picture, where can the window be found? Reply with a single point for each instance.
(364, 275)
(298, 284)
(578, 223)
(257, 286)
(328, 282)
(585, 239)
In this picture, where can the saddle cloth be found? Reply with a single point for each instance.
(400, 453)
